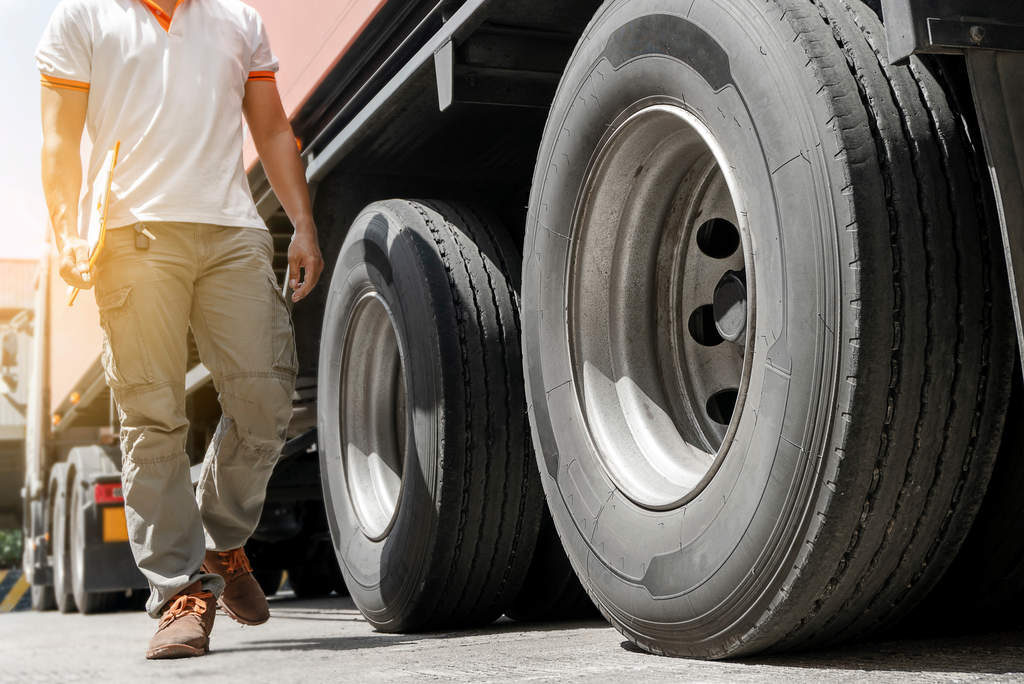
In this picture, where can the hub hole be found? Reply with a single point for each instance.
(702, 326)
(721, 404)
(718, 238)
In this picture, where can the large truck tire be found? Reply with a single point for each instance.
(87, 602)
(431, 494)
(766, 336)
(551, 590)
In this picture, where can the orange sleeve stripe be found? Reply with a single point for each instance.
(54, 82)
(262, 76)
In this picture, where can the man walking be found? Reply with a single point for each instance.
(185, 248)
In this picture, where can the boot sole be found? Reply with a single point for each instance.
(237, 618)
(174, 651)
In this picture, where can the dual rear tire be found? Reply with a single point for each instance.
(68, 555)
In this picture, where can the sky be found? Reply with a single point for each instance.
(21, 195)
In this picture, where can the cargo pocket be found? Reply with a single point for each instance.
(125, 358)
(282, 333)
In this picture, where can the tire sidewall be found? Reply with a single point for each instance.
(740, 530)
(76, 543)
(61, 558)
(383, 255)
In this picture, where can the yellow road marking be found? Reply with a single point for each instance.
(3, 575)
(14, 595)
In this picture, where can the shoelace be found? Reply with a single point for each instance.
(184, 605)
(235, 562)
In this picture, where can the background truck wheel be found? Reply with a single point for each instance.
(318, 574)
(86, 601)
(42, 598)
(268, 579)
(431, 495)
(310, 581)
(60, 545)
(551, 590)
(766, 339)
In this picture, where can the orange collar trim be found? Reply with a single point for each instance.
(163, 18)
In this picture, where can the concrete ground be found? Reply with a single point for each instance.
(327, 641)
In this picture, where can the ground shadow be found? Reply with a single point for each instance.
(342, 609)
(996, 653)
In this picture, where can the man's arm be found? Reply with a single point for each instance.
(63, 117)
(275, 143)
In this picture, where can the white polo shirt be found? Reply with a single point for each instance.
(170, 88)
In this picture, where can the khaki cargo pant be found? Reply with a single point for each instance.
(218, 281)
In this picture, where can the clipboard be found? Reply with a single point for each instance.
(97, 231)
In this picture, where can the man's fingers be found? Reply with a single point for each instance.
(303, 287)
(315, 266)
(294, 266)
(72, 277)
(311, 267)
(74, 265)
(81, 253)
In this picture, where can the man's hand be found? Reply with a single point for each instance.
(74, 263)
(304, 263)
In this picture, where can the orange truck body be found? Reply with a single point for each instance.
(308, 41)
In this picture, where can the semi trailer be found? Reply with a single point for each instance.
(704, 311)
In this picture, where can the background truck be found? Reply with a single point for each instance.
(731, 285)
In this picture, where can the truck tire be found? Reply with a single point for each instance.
(60, 544)
(551, 590)
(766, 335)
(310, 581)
(42, 598)
(420, 367)
(269, 579)
(36, 524)
(88, 602)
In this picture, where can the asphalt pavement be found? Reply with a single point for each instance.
(327, 641)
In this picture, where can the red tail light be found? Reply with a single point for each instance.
(108, 493)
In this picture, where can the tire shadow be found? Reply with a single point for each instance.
(342, 609)
(995, 653)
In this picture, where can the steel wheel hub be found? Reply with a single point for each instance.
(660, 303)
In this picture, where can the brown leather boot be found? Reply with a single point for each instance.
(242, 600)
(185, 626)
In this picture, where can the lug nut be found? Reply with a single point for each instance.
(730, 306)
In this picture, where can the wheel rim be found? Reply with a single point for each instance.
(660, 304)
(373, 418)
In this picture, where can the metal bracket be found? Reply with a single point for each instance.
(952, 26)
(444, 68)
(996, 79)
